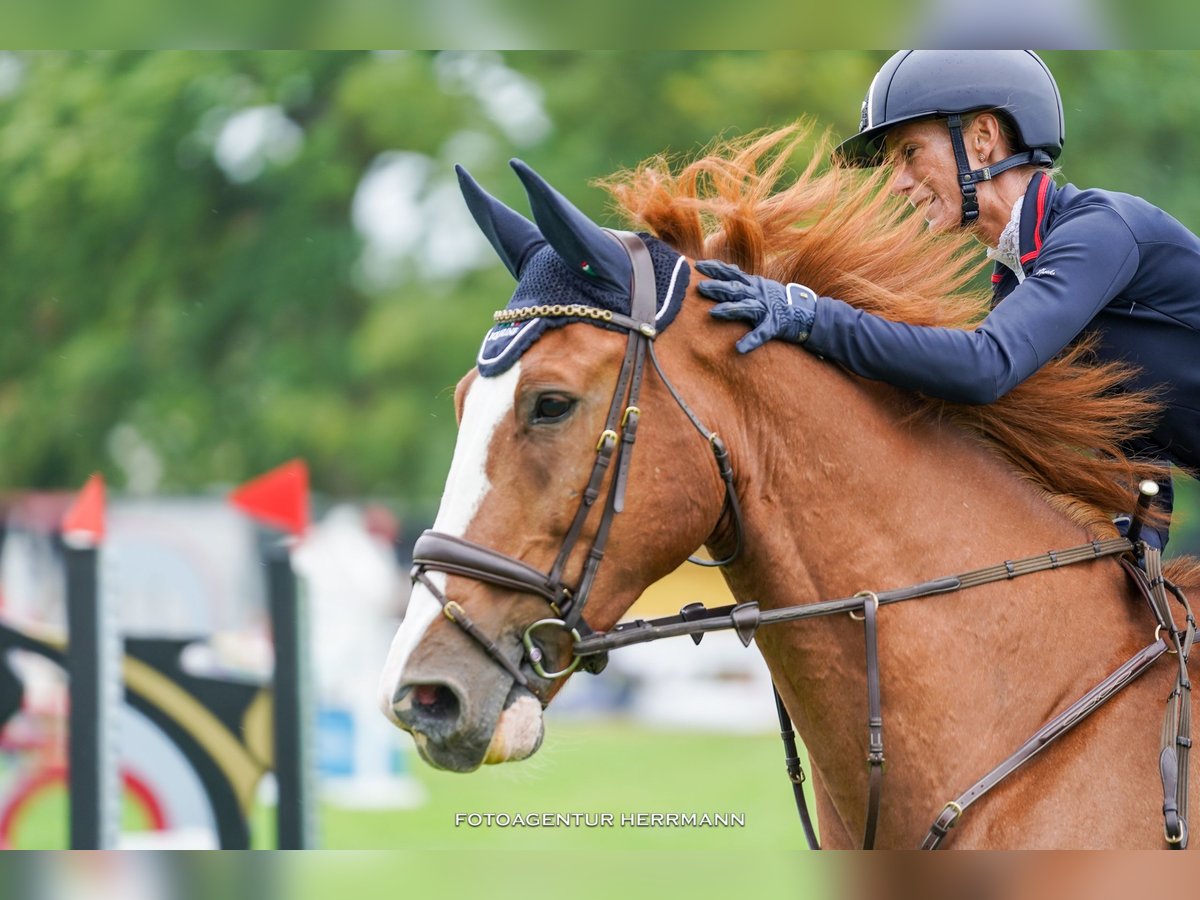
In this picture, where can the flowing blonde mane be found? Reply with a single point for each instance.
(838, 231)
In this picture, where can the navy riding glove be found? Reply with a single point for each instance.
(775, 310)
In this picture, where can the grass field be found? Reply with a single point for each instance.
(578, 874)
(592, 768)
(595, 768)
(582, 768)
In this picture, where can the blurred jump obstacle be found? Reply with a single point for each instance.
(231, 731)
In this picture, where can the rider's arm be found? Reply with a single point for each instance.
(1088, 258)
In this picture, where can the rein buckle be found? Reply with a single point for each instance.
(954, 808)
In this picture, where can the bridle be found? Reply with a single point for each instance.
(438, 552)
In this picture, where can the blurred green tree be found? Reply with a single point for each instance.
(216, 261)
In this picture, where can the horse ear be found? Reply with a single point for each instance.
(582, 244)
(514, 237)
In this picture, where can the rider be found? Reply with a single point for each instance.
(972, 137)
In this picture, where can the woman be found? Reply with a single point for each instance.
(972, 136)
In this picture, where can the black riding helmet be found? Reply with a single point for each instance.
(918, 84)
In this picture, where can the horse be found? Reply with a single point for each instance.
(842, 486)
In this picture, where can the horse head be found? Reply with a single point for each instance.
(550, 525)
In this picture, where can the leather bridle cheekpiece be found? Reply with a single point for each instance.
(439, 552)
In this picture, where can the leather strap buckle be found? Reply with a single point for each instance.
(1179, 839)
(955, 808)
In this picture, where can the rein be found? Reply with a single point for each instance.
(745, 618)
(438, 552)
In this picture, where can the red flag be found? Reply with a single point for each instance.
(83, 523)
(278, 498)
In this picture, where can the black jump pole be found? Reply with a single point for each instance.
(94, 679)
(279, 499)
(292, 706)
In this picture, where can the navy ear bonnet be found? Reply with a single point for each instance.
(546, 279)
(563, 260)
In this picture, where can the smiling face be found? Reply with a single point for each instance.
(926, 175)
(925, 172)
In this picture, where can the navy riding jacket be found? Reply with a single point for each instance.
(1094, 261)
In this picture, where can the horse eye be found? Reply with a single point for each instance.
(552, 408)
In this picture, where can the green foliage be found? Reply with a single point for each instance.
(222, 323)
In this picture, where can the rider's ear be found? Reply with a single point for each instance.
(985, 132)
(588, 250)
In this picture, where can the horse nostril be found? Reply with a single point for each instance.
(435, 703)
(427, 709)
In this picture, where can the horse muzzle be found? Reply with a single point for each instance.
(448, 736)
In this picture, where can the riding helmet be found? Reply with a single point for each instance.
(917, 84)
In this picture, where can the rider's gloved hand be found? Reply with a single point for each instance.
(775, 310)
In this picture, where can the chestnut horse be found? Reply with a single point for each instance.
(845, 485)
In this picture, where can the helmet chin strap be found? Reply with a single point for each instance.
(968, 177)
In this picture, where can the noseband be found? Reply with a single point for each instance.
(452, 555)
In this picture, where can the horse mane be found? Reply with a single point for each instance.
(838, 230)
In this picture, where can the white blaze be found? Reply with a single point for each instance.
(488, 402)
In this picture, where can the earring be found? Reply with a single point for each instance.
(982, 157)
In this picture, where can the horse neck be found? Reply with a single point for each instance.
(842, 493)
